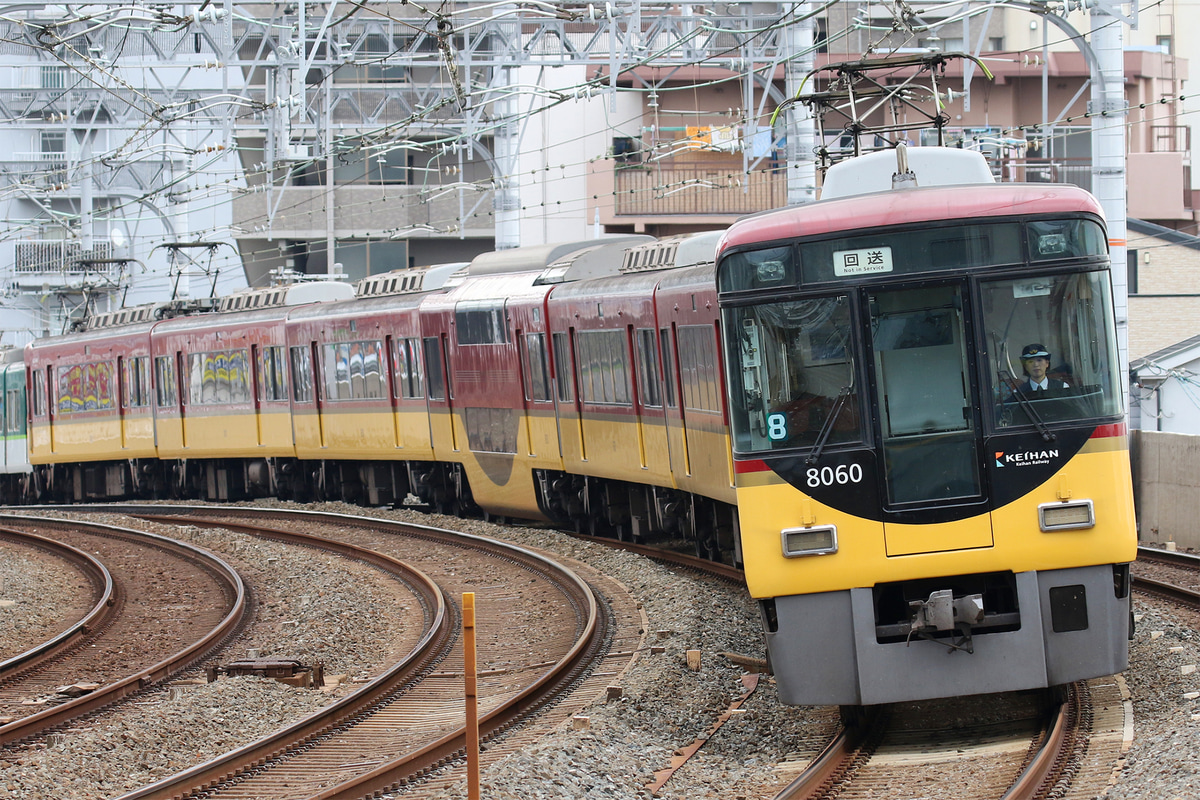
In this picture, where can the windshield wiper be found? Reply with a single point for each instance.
(1043, 428)
(827, 426)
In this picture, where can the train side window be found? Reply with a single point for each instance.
(14, 412)
(137, 382)
(649, 378)
(536, 367)
(668, 362)
(219, 378)
(433, 368)
(603, 377)
(85, 387)
(302, 375)
(164, 374)
(410, 378)
(272, 376)
(562, 362)
(39, 393)
(698, 368)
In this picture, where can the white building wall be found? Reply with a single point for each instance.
(555, 148)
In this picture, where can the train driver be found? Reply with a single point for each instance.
(1035, 362)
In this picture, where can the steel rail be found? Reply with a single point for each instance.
(104, 594)
(827, 768)
(1168, 591)
(1052, 761)
(449, 746)
(39, 723)
(1174, 557)
(436, 638)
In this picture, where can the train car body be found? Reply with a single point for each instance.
(359, 399)
(222, 399)
(916, 521)
(91, 411)
(14, 467)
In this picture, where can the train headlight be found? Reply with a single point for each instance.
(818, 540)
(1066, 516)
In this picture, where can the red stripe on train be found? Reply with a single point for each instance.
(750, 466)
(1108, 431)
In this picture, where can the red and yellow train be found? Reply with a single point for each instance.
(831, 395)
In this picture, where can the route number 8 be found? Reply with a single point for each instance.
(776, 427)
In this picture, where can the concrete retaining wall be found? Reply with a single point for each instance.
(1166, 487)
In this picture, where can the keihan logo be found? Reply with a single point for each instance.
(1026, 459)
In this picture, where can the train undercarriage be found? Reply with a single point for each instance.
(584, 504)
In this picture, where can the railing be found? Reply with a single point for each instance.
(57, 256)
(1170, 139)
(1077, 171)
(661, 189)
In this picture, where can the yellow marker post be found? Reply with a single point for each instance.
(472, 703)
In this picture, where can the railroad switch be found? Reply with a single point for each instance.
(284, 670)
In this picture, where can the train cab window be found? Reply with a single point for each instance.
(923, 382)
(1050, 349)
(792, 374)
(758, 269)
(164, 377)
(302, 374)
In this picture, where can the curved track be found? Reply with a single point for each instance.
(119, 651)
(407, 722)
(103, 599)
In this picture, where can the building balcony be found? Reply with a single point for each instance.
(363, 211)
(57, 265)
(684, 192)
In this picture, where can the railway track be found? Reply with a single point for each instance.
(127, 642)
(407, 723)
(1169, 575)
(102, 598)
(1021, 746)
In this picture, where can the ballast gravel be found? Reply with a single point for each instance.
(664, 704)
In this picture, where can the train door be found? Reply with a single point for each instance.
(123, 399)
(927, 419)
(566, 397)
(672, 418)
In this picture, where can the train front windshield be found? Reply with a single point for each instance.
(926, 366)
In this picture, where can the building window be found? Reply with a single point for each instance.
(1164, 44)
(1131, 260)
